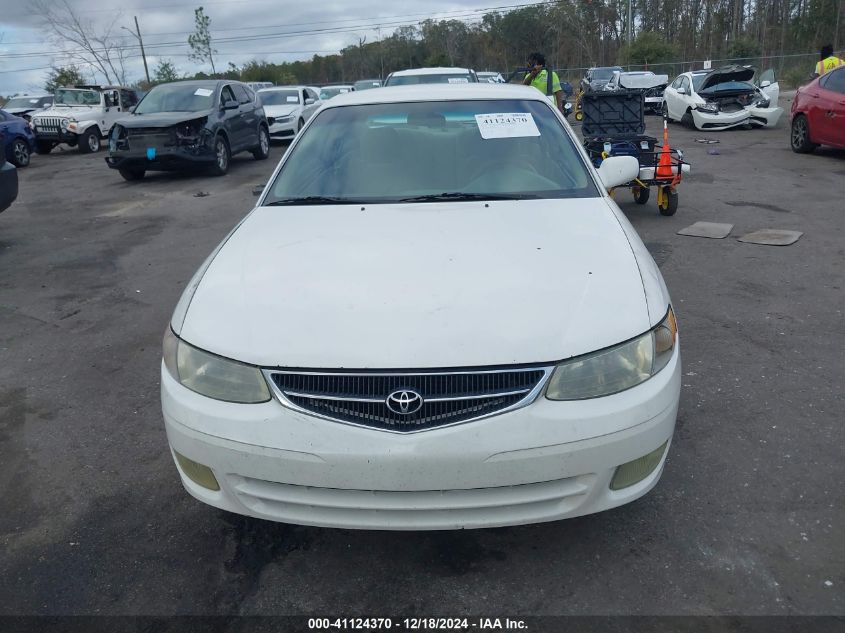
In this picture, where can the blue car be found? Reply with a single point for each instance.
(18, 139)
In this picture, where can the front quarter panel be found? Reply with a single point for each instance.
(656, 293)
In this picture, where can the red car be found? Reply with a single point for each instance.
(818, 113)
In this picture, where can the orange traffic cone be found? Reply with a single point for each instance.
(664, 165)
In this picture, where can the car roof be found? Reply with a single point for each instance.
(439, 70)
(438, 92)
(282, 88)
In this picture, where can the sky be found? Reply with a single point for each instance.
(292, 30)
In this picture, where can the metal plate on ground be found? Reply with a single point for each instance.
(713, 230)
(772, 237)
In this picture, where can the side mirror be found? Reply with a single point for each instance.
(765, 84)
(309, 101)
(682, 91)
(231, 104)
(618, 170)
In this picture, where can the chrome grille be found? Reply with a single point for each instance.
(448, 397)
(49, 124)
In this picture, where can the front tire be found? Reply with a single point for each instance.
(20, 153)
(89, 142)
(222, 156)
(799, 135)
(300, 125)
(687, 119)
(669, 203)
(262, 152)
(132, 175)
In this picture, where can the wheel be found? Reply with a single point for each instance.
(89, 141)
(263, 150)
(667, 201)
(641, 194)
(131, 174)
(687, 119)
(665, 112)
(222, 153)
(799, 137)
(20, 153)
(44, 147)
(579, 116)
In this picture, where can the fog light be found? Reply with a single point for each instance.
(634, 472)
(196, 472)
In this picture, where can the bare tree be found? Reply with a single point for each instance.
(82, 42)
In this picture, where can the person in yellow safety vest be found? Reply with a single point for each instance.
(539, 77)
(827, 61)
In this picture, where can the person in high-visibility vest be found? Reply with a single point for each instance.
(827, 61)
(544, 80)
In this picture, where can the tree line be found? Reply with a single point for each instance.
(573, 34)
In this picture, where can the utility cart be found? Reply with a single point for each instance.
(613, 124)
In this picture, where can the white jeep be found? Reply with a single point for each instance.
(81, 116)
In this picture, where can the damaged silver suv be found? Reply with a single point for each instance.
(189, 124)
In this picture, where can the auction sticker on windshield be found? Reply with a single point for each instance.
(458, 80)
(203, 92)
(506, 125)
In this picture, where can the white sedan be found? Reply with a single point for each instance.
(435, 318)
(288, 108)
(721, 99)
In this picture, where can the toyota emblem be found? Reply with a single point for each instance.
(404, 401)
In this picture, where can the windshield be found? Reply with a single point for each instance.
(446, 78)
(25, 102)
(65, 96)
(279, 97)
(603, 74)
(393, 152)
(177, 98)
(366, 84)
(333, 91)
(697, 79)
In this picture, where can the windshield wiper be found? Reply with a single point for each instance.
(457, 195)
(312, 200)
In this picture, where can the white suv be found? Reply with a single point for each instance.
(81, 116)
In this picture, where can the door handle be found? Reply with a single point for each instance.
(814, 96)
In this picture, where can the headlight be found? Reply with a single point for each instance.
(283, 119)
(65, 123)
(211, 375)
(618, 368)
(710, 108)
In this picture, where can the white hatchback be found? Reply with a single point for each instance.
(436, 317)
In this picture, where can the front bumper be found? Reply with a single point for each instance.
(721, 120)
(283, 129)
(165, 158)
(654, 104)
(765, 117)
(56, 136)
(546, 461)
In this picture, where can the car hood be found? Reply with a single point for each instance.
(19, 111)
(280, 110)
(161, 119)
(726, 74)
(68, 111)
(420, 285)
(643, 82)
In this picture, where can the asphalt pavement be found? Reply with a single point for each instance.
(747, 519)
